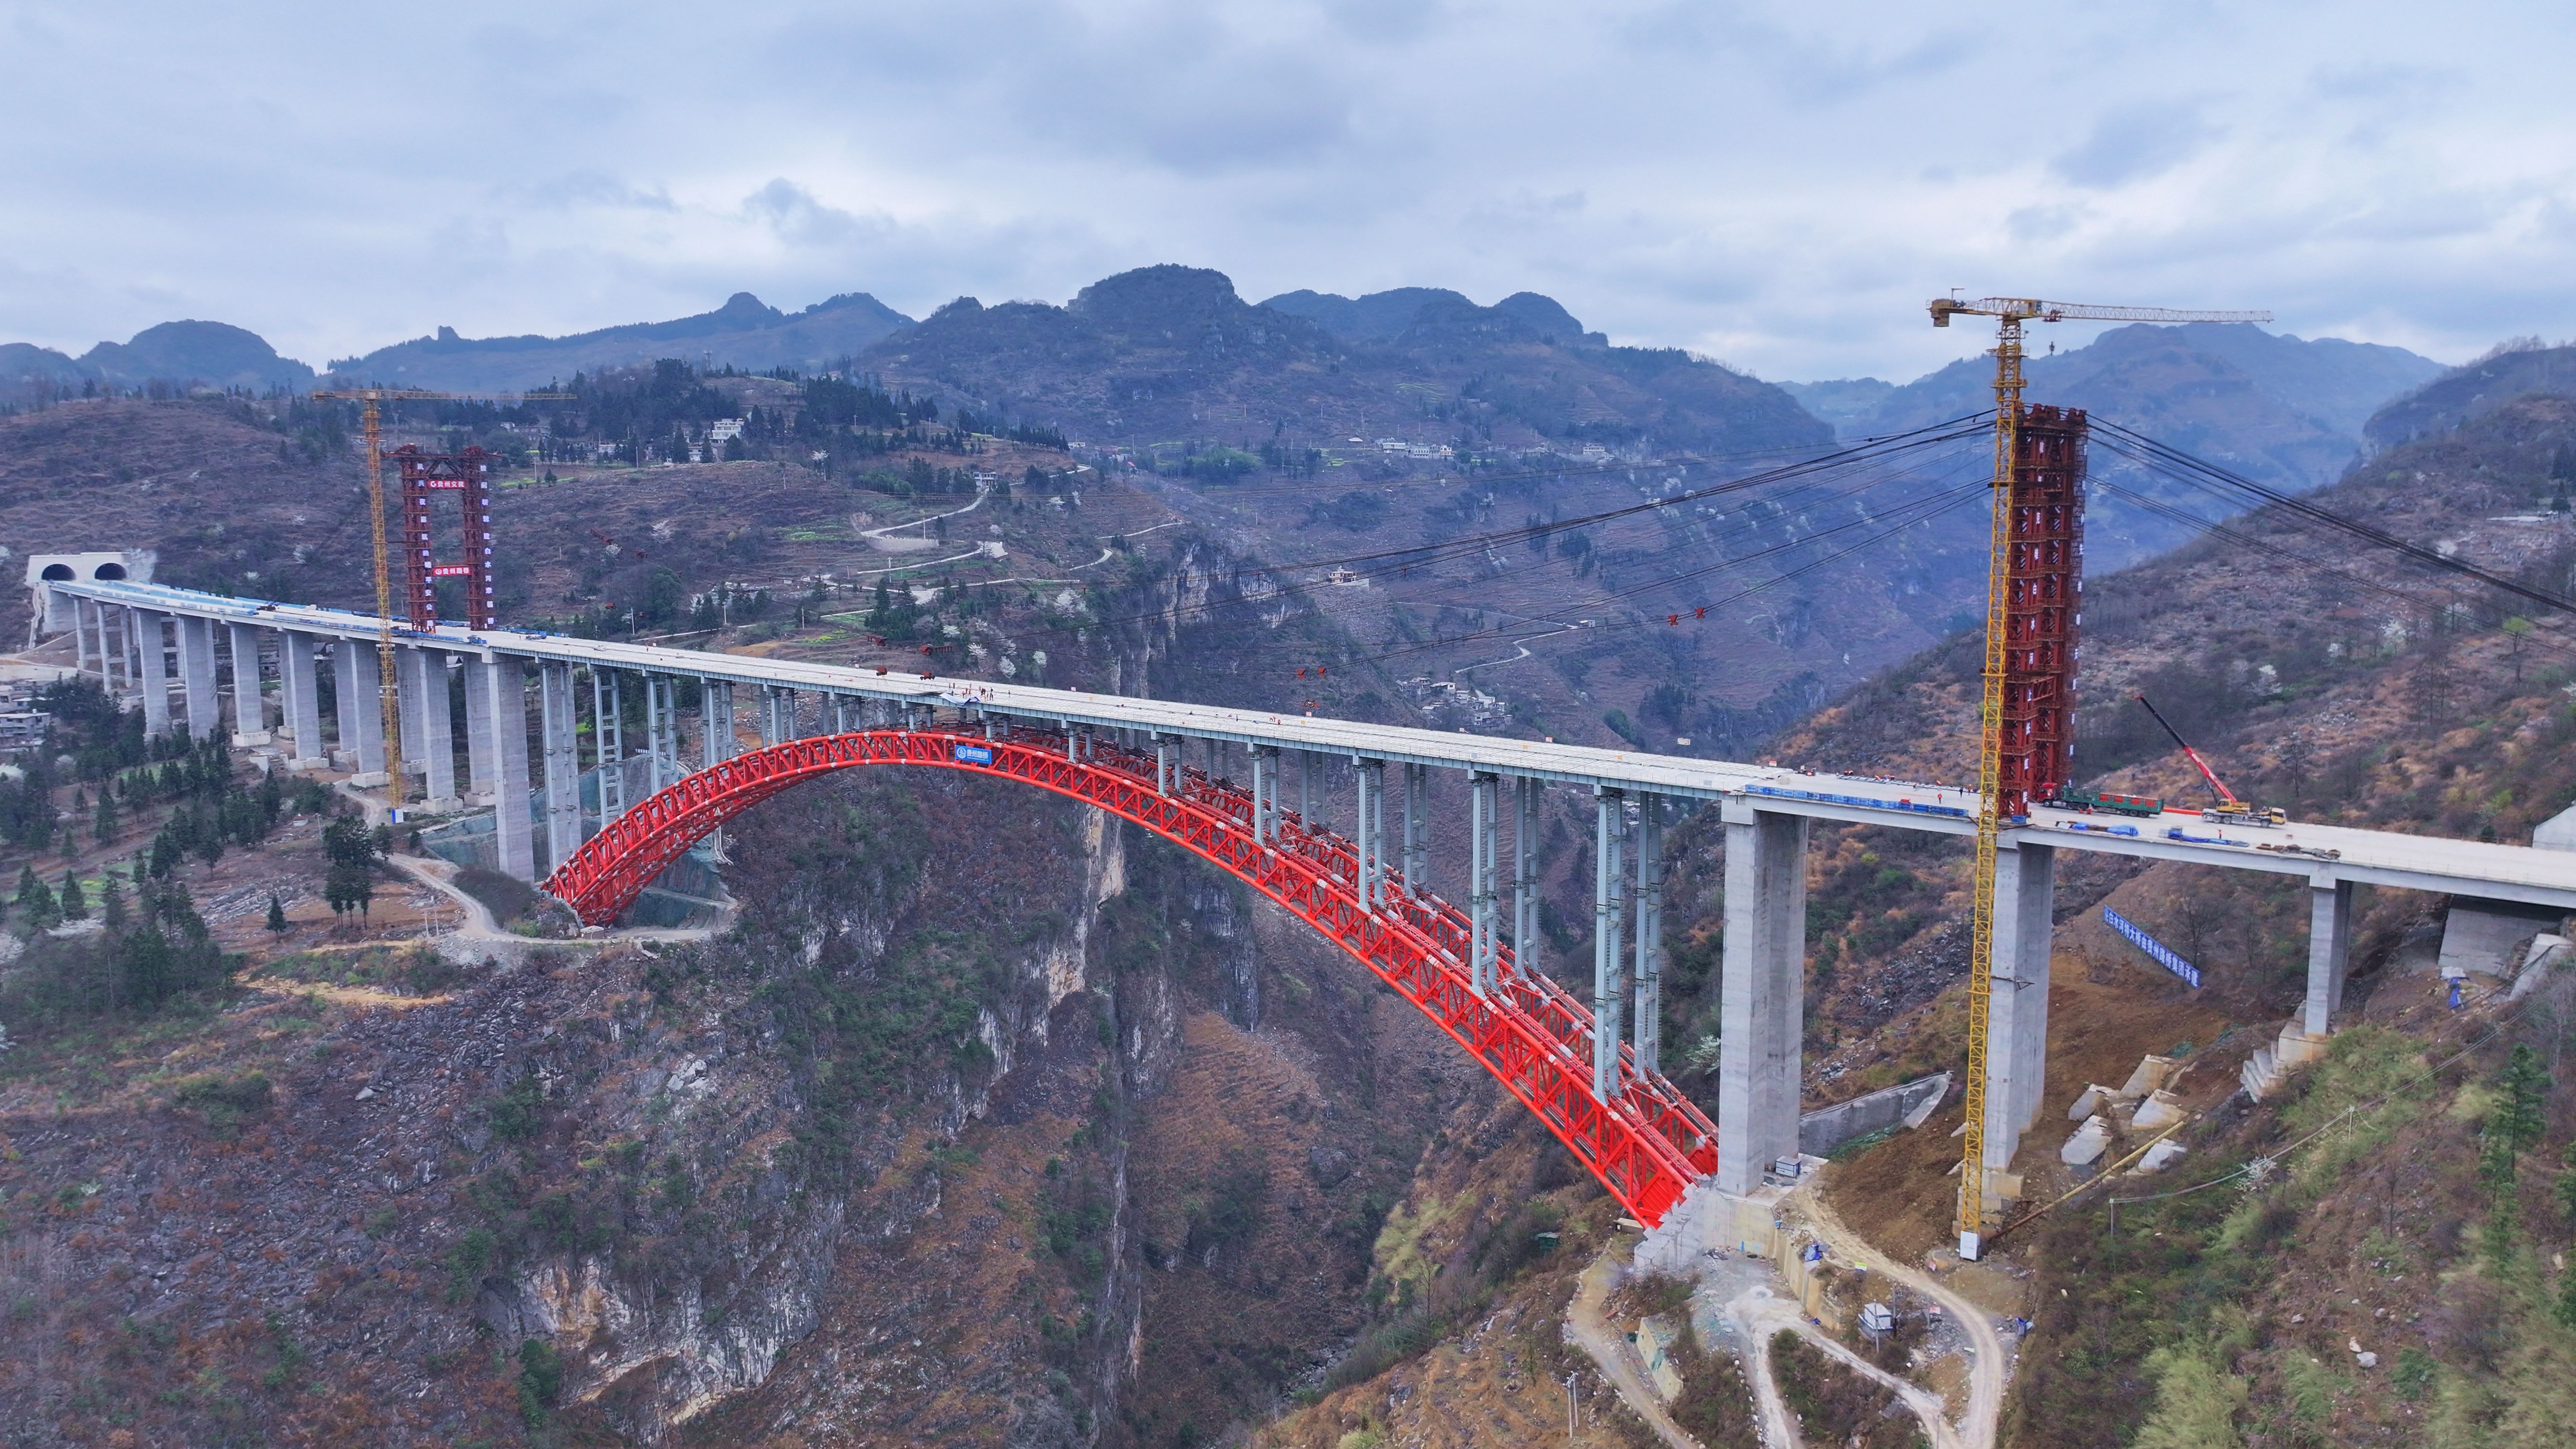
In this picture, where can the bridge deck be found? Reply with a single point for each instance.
(2371, 857)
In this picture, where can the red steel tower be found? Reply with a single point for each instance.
(2042, 607)
(469, 476)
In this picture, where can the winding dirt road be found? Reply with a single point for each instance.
(1608, 1347)
(1988, 1357)
(1761, 1316)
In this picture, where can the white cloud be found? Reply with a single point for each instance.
(1782, 184)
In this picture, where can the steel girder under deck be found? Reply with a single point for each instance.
(1645, 1147)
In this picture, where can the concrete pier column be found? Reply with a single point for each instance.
(197, 675)
(250, 709)
(154, 658)
(710, 734)
(1609, 830)
(653, 781)
(359, 677)
(773, 728)
(2329, 951)
(1482, 875)
(300, 698)
(1647, 1031)
(481, 766)
(503, 682)
(1761, 992)
(115, 654)
(361, 710)
(608, 741)
(1417, 830)
(129, 638)
(429, 733)
(1306, 789)
(84, 625)
(1372, 840)
(2017, 1011)
(111, 650)
(1166, 766)
(1261, 785)
(558, 729)
(1525, 931)
(662, 695)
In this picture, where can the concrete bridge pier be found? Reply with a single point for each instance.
(1646, 1033)
(356, 679)
(608, 741)
(662, 730)
(2017, 1008)
(2329, 951)
(503, 683)
(1372, 832)
(1761, 990)
(1417, 830)
(481, 770)
(1609, 831)
(1525, 930)
(116, 651)
(558, 729)
(84, 629)
(250, 709)
(152, 650)
(428, 733)
(301, 697)
(1484, 836)
(197, 675)
(1265, 794)
(715, 715)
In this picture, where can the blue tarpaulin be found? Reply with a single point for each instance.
(2156, 950)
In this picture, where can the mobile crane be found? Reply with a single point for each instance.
(2229, 810)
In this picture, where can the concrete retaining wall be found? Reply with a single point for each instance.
(1826, 1128)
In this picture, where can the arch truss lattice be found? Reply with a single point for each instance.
(1645, 1146)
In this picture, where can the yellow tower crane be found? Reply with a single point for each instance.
(2009, 314)
(371, 401)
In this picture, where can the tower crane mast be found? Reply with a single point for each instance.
(2033, 563)
(371, 401)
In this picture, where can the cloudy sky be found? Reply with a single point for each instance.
(1779, 185)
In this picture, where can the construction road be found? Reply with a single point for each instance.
(1989, 1358)
(1608, 1347)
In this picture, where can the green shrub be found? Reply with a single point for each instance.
(540, 1380)
(224, 1100)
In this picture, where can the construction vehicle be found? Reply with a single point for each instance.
(2077, 797)
(2229, 810)
(2012, 472)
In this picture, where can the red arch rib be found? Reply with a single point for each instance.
(1533, 1037)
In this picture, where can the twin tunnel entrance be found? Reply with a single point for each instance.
(1645, 1145)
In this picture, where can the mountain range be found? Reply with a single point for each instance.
(213, 353)
(2284, 409)
(1172, 352)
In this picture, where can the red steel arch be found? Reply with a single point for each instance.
(1533, 1037)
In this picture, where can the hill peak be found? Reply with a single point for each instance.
(1157, 298)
